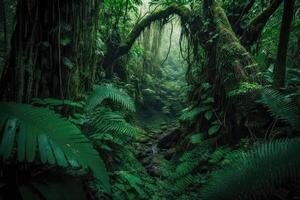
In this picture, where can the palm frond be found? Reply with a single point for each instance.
(108, 91)
(256, 173)
(281, 106)
(57, 140)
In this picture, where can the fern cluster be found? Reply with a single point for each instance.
(281, 106)
(256, 173)
(182, 174)
(104, 120)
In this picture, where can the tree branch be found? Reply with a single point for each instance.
(245, 11)
(124, 47)
(254, 29)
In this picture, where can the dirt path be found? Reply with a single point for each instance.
(152, 147)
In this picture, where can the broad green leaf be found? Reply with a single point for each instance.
(209, 100)
(208, 115)
(214, 129)
(65, 41)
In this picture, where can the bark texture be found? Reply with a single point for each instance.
(280, 65)
(52, 48)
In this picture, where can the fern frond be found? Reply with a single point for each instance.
(134, 181)
(106, 121)
(57, 140)
(185, 168)
(184, 182)
(281, 106)
(256, 173)
(108, 91)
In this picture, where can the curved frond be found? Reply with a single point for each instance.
(56, 140)
(108, 91)
(281, 106)
(257, 172)
(106, 121)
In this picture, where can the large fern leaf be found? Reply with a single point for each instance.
(256, 173)
(107, 121)
(281, 106)
(108, 91)
(57, 141)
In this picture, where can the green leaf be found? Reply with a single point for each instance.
(45, 150)
(208, 115)
(205, 86)
(214, 129)
(43, 130)
(215, 122)
(8, 137)
(197, 138)
(67, 62)
(65, 41)
(209, 100)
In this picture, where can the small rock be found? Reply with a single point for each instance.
(146, 161)
(155, 171)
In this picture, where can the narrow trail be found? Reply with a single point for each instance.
(156, 144)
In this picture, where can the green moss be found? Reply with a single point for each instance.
(244, 87)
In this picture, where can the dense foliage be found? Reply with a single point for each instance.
(149, 99)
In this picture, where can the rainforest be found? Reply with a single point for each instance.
(149, 100)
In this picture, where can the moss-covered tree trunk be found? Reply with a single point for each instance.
(52, 50)
(228, 66)
(234, 64)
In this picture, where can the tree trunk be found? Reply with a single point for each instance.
(280, 65)
(52, 53)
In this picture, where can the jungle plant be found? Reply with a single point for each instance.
(105, 120)
(111, 122)
(72, 110)
(281, 106)
(38, 135)
(256, 173)
(108, 91)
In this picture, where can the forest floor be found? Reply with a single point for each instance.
(156, 144)
(158, 118)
